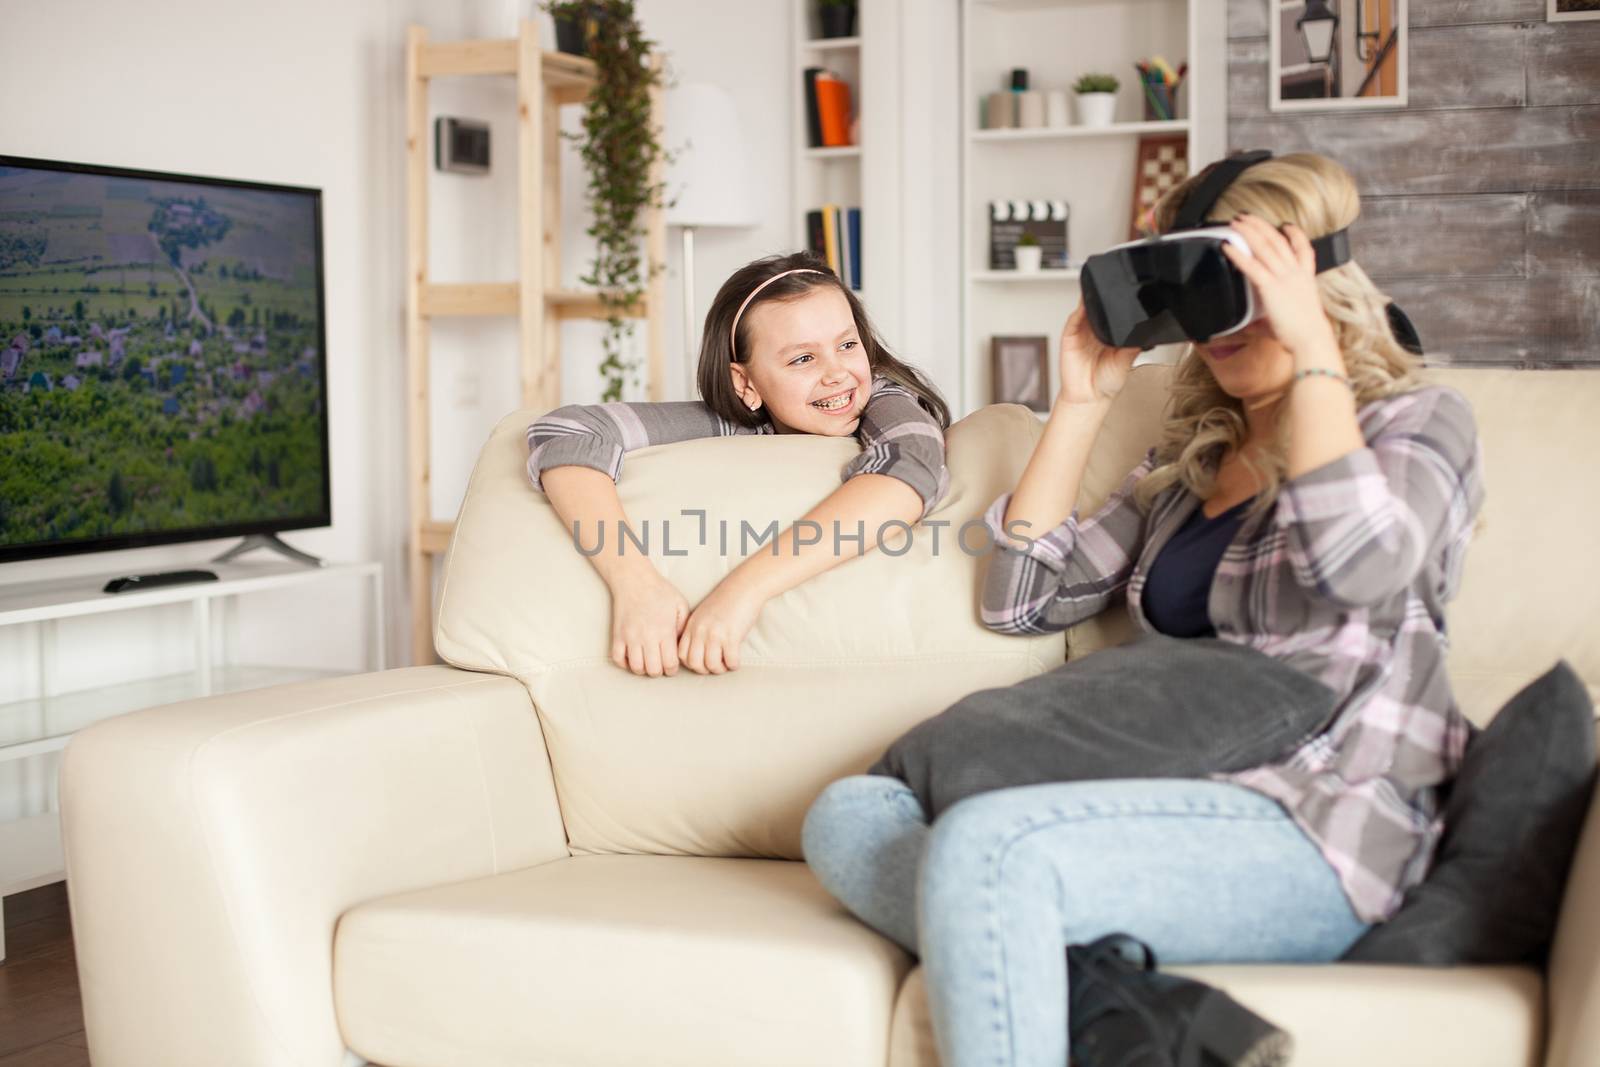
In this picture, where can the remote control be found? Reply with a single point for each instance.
(150, 581)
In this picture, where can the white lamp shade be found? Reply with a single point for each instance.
(708, 179)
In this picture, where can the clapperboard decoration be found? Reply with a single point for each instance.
(1010, 219)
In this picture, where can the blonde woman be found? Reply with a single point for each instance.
(1310, 498)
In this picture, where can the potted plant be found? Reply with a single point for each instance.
(576, 25)
(1028, 253)
(1097, 99)
(838, 17)
(620, 145)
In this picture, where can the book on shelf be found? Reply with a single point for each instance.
(813, 116)
(827, 109)
(853, 246)
(830, 236)
(816, 237)
(839, 222)
(834, 233)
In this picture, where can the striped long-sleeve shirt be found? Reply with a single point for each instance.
(898, 437)
(1345, 577)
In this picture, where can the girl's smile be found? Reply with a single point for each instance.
(838, 404)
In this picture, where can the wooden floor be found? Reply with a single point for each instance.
(41, 1015)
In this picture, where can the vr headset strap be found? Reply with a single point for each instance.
(1332, 250)
(1197, 205)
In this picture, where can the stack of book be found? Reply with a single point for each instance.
(827, 109)
(834, 233)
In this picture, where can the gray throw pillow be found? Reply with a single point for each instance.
(1159, 707)
(1511, 827)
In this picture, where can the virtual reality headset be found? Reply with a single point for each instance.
(1179, 286)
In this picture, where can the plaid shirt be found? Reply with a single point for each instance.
(1345, 576)
(898, 437)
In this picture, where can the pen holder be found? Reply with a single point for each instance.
(1160, 102)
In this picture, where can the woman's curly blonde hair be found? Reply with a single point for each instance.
(1202, 422)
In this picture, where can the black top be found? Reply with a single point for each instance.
(1179, 583)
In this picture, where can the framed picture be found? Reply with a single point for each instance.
(1162, 164)
(1020, 371)
(1326, 55)
(1572, 10)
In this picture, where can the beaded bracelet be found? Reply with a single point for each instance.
(1315, 372)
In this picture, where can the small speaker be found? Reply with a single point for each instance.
(461, 145)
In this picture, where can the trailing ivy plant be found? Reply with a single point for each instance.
(620, 148)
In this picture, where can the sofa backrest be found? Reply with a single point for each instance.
(836, 669)
(1531, 588)
(832, 672)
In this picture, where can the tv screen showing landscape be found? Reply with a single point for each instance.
(162, 371)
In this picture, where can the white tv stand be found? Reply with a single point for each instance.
(30, 848)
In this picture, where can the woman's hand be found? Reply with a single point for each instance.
(1091, 372)
(711, 638)
(1283, 269)
(647, 615)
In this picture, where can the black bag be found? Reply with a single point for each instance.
(1159, 707)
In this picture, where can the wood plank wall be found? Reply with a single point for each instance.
(1481, 199)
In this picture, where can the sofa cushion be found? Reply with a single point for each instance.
(602, 960)
(726, 765)
(1512, 822)
(1532, 424)
(1343, 1014)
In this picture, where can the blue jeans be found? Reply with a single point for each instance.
(993, 891)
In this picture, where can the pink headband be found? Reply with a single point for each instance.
(733, 331)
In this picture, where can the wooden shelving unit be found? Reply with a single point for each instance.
(545, 82)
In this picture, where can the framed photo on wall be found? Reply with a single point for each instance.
(1328, 55)
(1020, 371)
(1572, 10)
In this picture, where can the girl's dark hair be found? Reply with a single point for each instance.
(716, 384)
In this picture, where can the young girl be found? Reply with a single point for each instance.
(1309, 498)
(787, 349)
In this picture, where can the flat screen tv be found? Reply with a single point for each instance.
(162, 359)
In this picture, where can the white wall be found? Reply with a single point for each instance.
(307, 92)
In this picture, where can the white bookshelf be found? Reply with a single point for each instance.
(823, 154)
(865, 174)
(825, 175)
(41, 725)
(1044, 276)
(1090, 168)
(1069, 133)
(831, 44)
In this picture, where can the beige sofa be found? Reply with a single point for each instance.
(430, 868)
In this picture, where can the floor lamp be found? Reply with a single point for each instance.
(706, 184)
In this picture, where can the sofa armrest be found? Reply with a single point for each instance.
(1573, 977)
(212, 845)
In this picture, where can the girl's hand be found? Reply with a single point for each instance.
(1090, 371)
(1283, 269)
(711, 638)
(647, 614)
